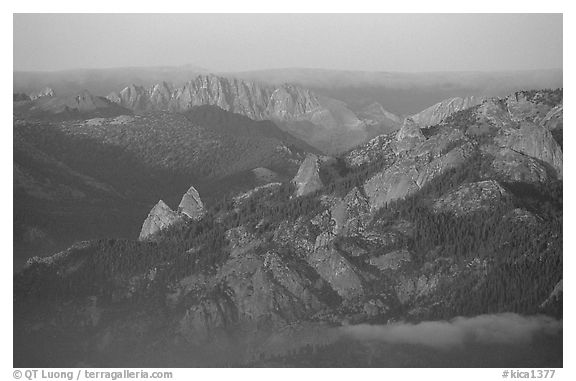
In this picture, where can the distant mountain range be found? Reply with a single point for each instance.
(324, 123)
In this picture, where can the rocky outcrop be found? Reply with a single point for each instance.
(307, 180)
(350, 215)
(191, 205)
(554, 119)
(526, 106)
(160, 218)
(46, 92)
(391, 261)
(441, 110)
(555, 295)
(337, 271)
(472, 197)
(409, 174)
(378, 148)
(535, 141)
(409, 136)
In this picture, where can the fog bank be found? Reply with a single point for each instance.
(505, 328)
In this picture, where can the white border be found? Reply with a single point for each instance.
(230, 6)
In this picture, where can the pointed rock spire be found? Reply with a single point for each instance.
(159, 218)
(409, 135)
(191, 205)
(307, 179)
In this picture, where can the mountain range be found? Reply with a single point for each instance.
(80, 178)
(462, 199)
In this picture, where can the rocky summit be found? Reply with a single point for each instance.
(307, 179)
(441, 110)
(160, 218)
(191, 205)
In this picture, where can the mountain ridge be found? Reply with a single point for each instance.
(404, 227)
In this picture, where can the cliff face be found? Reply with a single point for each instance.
(285, 102)
(160, 218)
(307, 179)
(440, 111)
(191, 205)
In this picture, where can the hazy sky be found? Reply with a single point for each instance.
(223, 42)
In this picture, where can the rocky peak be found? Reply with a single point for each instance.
(85, 101)
(161, 93)
(376, 113)
(133, 97)
(159, 218)
(191, 205)
(441, 110)
(46, 92)
(409, 135)
(307, 179)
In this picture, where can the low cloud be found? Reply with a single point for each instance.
(506, 328)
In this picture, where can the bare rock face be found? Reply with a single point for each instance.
(307, 179)
(159, 218)
(523, 107)
(554, 119)
(191, 205)
(534, 141)
(379, 147)
(440, 111)
(286, 102)
(337, 271)
(409, 174)
(409, 136)
(472, 197)
(515, 166)
(350, 215)
(555, 295)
